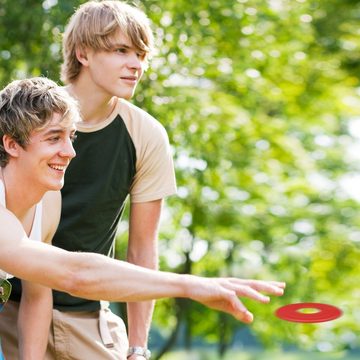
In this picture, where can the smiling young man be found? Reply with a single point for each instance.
(36, 128)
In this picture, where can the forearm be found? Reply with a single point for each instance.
(33, 325)
(116, 280)
(139, 314)
(142, 251)
(87, 275)
(97, 277)
(139, 322)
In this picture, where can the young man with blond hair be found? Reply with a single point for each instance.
(121, 150)
(106, 47)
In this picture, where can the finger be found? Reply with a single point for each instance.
(240, 312)
(247, 291)
(279, 284)
(260, 283)
(264, 286)
(232, 305)
(248, 317)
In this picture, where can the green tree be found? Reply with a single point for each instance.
(257, 97)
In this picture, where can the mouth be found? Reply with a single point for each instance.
(60, 168)
(132, 79)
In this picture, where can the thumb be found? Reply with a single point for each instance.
(240, 312)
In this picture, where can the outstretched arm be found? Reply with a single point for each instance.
(97, 277)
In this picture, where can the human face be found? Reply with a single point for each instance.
(117, 71)
(44, 160)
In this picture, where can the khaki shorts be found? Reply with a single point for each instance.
(73, 335)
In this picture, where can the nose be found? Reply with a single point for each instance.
(68, 150)
(135, 62)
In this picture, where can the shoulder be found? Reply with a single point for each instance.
(51, 203)
(137, 120)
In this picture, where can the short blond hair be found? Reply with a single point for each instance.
(92, 26)
(29, 104)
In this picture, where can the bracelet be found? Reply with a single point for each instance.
(138, 350)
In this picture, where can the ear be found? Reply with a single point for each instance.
(11, 146)
(82, 56)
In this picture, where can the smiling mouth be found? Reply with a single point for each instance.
(58, 167)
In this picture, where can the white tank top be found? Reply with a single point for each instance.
(35, 233)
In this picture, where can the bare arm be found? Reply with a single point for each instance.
(34, 320)
(142, 250)
(95, 276)
(35, 310)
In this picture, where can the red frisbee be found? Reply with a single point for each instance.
(292, 312)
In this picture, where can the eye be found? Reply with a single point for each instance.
(54, 139)
(141, 55)
(121, 50)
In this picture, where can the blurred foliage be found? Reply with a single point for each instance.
(259, 99)
(199, 354)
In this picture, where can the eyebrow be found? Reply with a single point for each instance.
(53, 132)
(117, 45)
(123, 45)
(127, 46)
(56, 131)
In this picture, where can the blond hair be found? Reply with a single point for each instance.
(92, 26)
(29, 104)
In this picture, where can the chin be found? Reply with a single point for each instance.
(126, 93)
(55, 186)
(126, 96)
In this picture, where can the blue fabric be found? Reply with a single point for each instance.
(1, 354)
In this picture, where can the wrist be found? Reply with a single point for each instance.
(139, 350)
(189, 284)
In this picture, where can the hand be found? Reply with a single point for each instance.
(222, 294)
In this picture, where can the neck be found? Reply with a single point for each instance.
(95, 105)
(20, 195)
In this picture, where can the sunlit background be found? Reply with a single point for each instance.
(261, 100)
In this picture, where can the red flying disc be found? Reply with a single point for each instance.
(292, 312)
